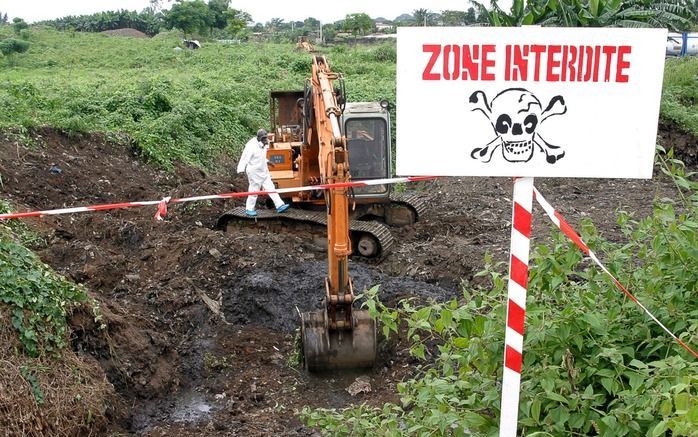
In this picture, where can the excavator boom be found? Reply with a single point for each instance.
(338, 335)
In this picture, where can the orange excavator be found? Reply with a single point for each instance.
(338, 335)
(296, 151)
(316, 136)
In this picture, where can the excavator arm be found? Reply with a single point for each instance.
(338, 336)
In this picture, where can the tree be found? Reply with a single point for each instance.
(275, 24)
(156, 6)
(189, 16)
(237, 20)
(3, 18)
(329, 32)
(218, 9)
(671, 14)
(18, 24)
(313, 23)
(358, 24)
(424, 17)
(453, 18)
(11, 46)
(470, 16)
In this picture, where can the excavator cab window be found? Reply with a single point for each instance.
(367, 140)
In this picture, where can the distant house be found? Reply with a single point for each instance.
(382, 24)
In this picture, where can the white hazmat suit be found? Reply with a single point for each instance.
(254, 162)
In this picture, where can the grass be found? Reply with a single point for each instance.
(176, 105)
(190, 106)
(680, 94)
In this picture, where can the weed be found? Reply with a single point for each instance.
(26, 236)
(39, 298)
(28, 375)
(215, 363)
(680, 93)
(295, 358)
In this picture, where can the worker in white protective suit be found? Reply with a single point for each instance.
(254, 162)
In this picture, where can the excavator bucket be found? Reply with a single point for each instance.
(325, 349)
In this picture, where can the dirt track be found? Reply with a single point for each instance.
(182, 368)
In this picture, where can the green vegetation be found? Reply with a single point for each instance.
(39, 299)
(10, 45)
(190, 17)
(146, 21)
(187, 105)
(44, 381)
(680, 93)
(671, 14)
(19, 25)
(192, 105)
(358, 24)
(594, 363)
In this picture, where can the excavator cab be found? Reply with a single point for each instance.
(367, 128)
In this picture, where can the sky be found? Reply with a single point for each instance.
(261, 10)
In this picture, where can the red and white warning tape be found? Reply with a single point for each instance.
(516, 304)
(162, 204)
(524, 192)
(566, 229)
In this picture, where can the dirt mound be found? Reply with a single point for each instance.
(183, 368)
(62, 395)
(126, 31)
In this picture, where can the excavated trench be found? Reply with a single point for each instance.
(185, 369)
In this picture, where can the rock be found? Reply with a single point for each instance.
(215, 253)
(362, 384)
(133, 278)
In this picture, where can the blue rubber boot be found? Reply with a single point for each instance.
(282, 208)
(251, 212)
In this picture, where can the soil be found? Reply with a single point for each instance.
(126, 31)
(185, 368)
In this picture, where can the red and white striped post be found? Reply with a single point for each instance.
(516, 305)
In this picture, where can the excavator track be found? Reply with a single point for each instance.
(371, 240)
(405, 209)
(411, 199)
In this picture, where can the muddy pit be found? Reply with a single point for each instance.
(184, 370)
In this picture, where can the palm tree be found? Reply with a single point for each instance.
(275, 24)
(671, 14)
(424, 17)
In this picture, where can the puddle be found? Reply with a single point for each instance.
(191, 410)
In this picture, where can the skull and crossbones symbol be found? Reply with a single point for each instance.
(515, 115)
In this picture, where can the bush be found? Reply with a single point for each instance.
(18, 25)
(39, 298)
(386, 53)
(680, 93)
(10, 45)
